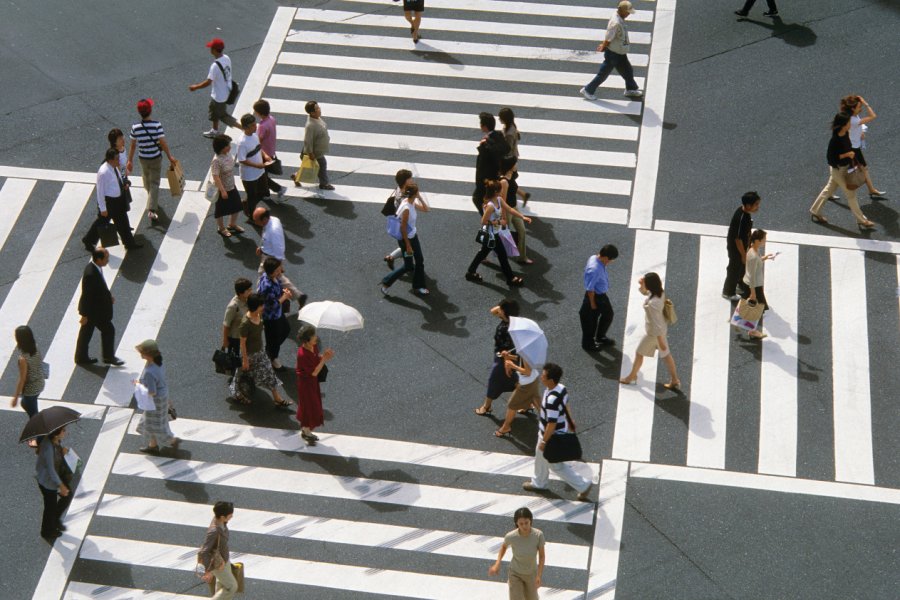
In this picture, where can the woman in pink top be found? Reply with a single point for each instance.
(268, 136)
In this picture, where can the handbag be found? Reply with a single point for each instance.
(225, 361)
(275, 167)
(668, 312)
(109, 237)
(175, 175)
(742, 323)
(323, 374)
(309, 171)
(509, 244)
(390, 206)
(173, 414)
(750, 310)
(563, 447)
(485, 237)
(855, 177)
(235, 88)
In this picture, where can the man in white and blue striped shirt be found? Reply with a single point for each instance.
(148, 137)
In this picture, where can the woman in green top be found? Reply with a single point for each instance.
(527, 564)
(254, 360)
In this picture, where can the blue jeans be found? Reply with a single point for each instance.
(611, 61)
(29, 403)
(418, 268)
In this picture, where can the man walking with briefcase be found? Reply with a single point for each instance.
(111, 204)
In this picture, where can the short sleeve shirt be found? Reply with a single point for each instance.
(266, 132)
(234, 314)
(740, 227)
(553, 410)
(223, 166)
(524, 550)
(249, 149)
(146, 134)
(617, 35)
(408, 204)
(596, 279)
(154, 378)
(221, 84)
(254, 334)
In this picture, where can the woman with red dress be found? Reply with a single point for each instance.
(309, 397)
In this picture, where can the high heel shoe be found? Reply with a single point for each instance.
(866, 224)
(673, 385)
(627, 381)
(877, 195)
(818, 218)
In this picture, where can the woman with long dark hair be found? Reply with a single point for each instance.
(154, 423)
(509, 188)
(853, 105)
(31, 372)
(495, 216)
(512, 136)
(654, 339)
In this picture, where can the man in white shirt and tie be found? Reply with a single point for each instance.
(111, 204)
(273, 246)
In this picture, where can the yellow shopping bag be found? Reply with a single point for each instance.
(309, 171)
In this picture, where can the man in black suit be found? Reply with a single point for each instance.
(96, 309)
(491, 149)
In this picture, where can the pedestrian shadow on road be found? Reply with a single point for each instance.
(542, 230)
(334, 208)
(427, 52)
(435, 311)
(794, 34)
(608, 362)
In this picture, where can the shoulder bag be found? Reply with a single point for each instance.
(855, 177)
(235, 88)
(563, 447)
(390, 206)
(668, 312)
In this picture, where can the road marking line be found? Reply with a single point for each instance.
(356, 40)
(88, 411)
(61, 352)
(634, 414)
(156, 296)
(657, 79)
(778, 393)
(350, 488)
(78, 590)
(307, 572)
(853, 458)
(439, 172)
(767, 483)
(39, 265)
(96, 471)
(448, 94)
(488, 27)
(786, 237)
(543, 210)
(459, 120)
(467, 147)
(13, 196)
(532, 8)
(425, 67)
(71, 176)
(709, 375)
(604, 565)
(367, 448)
(332, 531)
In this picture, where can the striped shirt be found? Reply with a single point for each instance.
(146, 134)
(553, 410)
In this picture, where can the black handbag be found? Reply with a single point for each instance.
(563, 447)
(173, 414)
(485, 237)
(225, 361)
(390, 206)
(109, 237)
(275, 167)
(323, 374)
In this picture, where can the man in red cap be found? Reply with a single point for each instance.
(148, 137)
(219, 77)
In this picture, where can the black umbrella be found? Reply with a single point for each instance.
(48, 421)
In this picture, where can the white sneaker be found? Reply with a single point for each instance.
(276, 364)
(211, 133)
(422, 291)
(634, 93)
(587, 94)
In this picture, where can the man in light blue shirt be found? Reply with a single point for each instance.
(596, 311)
(273, 245)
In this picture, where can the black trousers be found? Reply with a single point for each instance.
(749, 4)
(107, 339)
(256, 190)
(117, 209)
(276, 330)
(478, 198)
(595, 322)
(502, 258)
(734, 274)
(54, 507)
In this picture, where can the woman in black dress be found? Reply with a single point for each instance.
(500, 380)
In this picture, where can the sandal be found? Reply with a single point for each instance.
(627, 381)
(675, 386)
(818, 218)
(240, 400)
(515, 282)
(481, 411)
(284, 403)
(502, 434)
(235, 229)
(152, 215)
(474, 277)
(527, 261)
(224, 233)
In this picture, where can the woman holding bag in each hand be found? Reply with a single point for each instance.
(495, 216)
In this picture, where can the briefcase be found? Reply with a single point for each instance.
(108, 235)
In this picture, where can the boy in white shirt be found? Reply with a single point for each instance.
(219, 77)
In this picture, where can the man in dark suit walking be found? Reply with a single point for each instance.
(96, 309)
(491, 149)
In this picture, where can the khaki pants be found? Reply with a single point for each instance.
(522, 587)
(519, 225)
(837, 178)
(226, 585)
(151, 170)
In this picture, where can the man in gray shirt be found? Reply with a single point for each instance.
(615, 55)
(315, 141)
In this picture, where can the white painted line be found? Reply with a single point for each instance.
(396, 21)
(532, 8)
(709, 376)
(459, 120)
(71, 176)
(156, 296)
(785, 237)
(306, 572)
(438, 172)
(78, 590)
(88, 411)
(366, 448)
(771, 483)
(853, 458)
(96, 471)
(543, 210)
(604, 567)
(13, 196)
(38, 266)
(434, 69)
(351, 488)
(652, 123)
(529, 153)
(778, 393)
(898, 282)
(331, 531)
(356, 40)
(448, 94)
(634, 413)
(61, 352)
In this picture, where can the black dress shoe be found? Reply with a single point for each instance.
(114, 361)
(60, 526)
(590, 347)
(741, 13)
(50, 538)
(605, 341)
(86, 361)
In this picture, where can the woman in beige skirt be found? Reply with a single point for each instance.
(656, 329)
(527, 393)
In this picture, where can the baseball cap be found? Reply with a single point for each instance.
(216, 44)
(145, 105)
(623, 4)
(247, 119)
